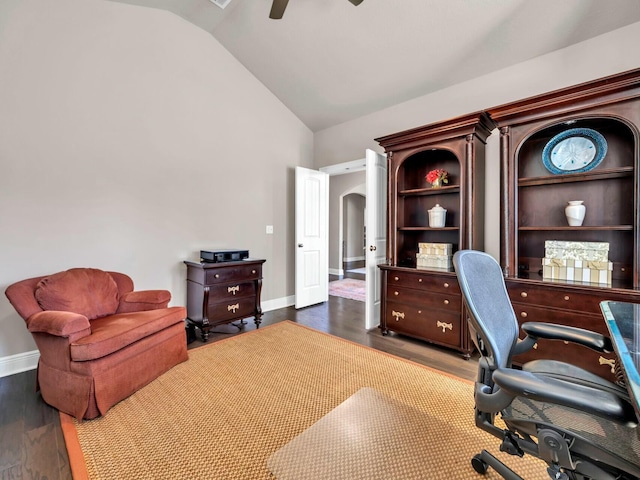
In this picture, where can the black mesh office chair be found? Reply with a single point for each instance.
(583, 426)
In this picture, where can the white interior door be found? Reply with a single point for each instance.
(376, 221)
(312, 237)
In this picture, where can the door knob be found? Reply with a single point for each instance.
(300, 245)
(372, 248)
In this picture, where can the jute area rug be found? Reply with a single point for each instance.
(235, 403)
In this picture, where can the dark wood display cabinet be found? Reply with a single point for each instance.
(426, 303)
(220, 293)
(547, 162)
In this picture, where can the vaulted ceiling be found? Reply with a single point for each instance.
(329, 61)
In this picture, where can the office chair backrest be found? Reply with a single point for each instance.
(493, 324)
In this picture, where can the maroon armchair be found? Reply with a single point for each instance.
(99, 340)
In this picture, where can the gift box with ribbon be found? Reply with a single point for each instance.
(584, 271)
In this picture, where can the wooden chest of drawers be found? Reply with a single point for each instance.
(219, 293)
(424, 304)
(573, 305)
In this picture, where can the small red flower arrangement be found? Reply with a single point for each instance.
(437, 177)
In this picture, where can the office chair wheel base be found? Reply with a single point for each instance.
(556, 474)
(479, 465)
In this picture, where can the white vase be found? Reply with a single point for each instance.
(575, 213)
(437, 217)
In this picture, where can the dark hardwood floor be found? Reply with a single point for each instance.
(31, 442)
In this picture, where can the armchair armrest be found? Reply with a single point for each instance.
(144, 300)
(57, 323)
(590, 400)
(580, 336)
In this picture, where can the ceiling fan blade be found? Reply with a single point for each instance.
(356, 2)
(277, 9)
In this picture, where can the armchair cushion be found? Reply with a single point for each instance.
(114, 333)
(87, 291)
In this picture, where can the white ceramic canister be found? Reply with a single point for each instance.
(575, 212)
(437, 216)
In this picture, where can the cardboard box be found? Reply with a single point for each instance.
(584, 271)
(591, 251)
(435, 248)
(434, 261)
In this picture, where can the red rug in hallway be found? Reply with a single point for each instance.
(348, 288)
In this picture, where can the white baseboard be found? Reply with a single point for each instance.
(354, 259)
(18, 363)
(22, 362)
(282, 302)
(336, 271)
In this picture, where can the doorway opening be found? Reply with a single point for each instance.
(354, 236)
(351, 280)
(373, 185)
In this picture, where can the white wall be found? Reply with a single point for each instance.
(129, 140)
(601, 56)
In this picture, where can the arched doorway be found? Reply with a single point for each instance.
(353, 235)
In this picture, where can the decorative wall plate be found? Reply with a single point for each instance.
(574, 151)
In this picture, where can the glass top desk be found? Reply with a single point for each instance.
(623, 322)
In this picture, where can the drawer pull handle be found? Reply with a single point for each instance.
(396, 293)
(397, 315)
(524, 314)
(253, 272)
(566, 297)
(446, 285)
(524, 294)
(535, 346)
(610, 362)
(396, 278)
(233, 308)
(217, 275)
(446, 302)
(419, 280)
(444, 326)
(233, 290)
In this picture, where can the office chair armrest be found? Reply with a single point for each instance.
(580, 336)
(524, 345)
(590, 400)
